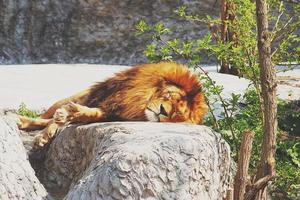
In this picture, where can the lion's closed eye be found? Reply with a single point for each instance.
(163, 111)
(167, 96)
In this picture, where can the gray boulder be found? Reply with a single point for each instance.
(117, 160)
(138, 160)
(17, 178)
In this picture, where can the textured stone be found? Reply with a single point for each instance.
(138, 160)
(17, 178)
(87, 31)
(117, 160)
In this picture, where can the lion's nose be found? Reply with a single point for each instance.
(163, 111)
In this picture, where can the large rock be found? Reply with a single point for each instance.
(117, 160)
(88, 31)
(137, 160)
(17, 178)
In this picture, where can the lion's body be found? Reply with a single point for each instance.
(134, 94)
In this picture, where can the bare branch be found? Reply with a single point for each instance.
(285, 31)
(261, 183)
(241, 177)
(278, 18)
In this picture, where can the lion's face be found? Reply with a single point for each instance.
(171, 104)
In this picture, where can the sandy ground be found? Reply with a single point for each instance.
(289, 84)
(38, 86)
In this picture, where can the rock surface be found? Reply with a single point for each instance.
(17, 178)
(87, 31)
(117, 160)
(137, 160)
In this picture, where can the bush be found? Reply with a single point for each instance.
(289, 116)
(240, 113)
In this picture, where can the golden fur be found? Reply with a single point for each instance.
(164, 92)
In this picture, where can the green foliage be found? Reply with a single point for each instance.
(289, 117)
(24, 111)
(285, 38)
(235, 117)
(288, 152)
(287, 168)
(294, 153)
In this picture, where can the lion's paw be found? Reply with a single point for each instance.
(46, 134)
(39, 140)
(60, 116)
(72, 107)
(23, 122)
(76, 112)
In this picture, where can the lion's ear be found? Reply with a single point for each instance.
(195, 90)
(161, 83)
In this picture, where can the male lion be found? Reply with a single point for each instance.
(161, 92)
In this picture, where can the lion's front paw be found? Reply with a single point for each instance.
(76, 112)
(60, 116)
(47, 133)
(23, 122)
(40, 141)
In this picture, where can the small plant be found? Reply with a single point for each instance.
(24, 111)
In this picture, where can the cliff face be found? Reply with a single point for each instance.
(87, 31)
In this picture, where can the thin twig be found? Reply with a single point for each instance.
(227, 117)
(255, 80)
(212, 113)
(278, 18)
(285, 31)
(283, 34)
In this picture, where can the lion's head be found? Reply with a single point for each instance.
(178, 96)
(172, 104)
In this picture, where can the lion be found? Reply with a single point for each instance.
(160, 92)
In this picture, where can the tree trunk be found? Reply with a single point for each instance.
(227, 15)
(232, 36)
(241, 176)
(268, 85)
(17, 178)
(224, 31)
